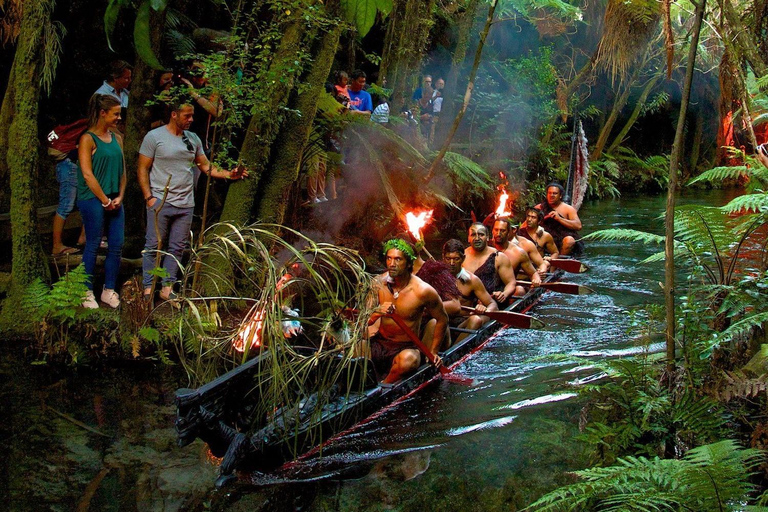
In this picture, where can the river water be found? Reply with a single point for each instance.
(105, 440)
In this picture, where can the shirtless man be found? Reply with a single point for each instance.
(473, 293)
(560, 219)
(504, 240)
(492, 267)
(399, 291)
(531, 229)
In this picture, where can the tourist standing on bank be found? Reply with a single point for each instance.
(100, 190)
(167, 158)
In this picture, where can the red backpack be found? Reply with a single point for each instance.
(63, 139)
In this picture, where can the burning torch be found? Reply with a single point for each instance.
(415, 223)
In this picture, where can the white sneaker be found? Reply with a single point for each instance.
(110, 298)
(90, 300)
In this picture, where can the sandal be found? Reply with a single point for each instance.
(171, 296)
(66, 251)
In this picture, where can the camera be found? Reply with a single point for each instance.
(408, 115)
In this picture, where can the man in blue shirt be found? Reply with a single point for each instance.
(359, 100)
(120, 76)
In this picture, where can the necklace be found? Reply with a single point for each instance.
(396, 293)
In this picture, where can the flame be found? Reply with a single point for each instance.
(416, 222)
(211, 459)
(501, 210)
(251, 333)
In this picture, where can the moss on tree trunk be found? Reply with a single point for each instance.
(265, 122)
(136, 126)
(6, 116)
(402, 56)
(29, 261)
(295, 133)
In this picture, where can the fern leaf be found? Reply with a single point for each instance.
(464, 171)
(719, 174)
(625, 235)
(748, 203)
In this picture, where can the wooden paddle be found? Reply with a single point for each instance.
(509, 318)
(447, 373)
(571, 288)
(572, 266)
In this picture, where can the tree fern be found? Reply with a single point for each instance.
(625, 235)
(712, 477)
(747, 203)
(743, 327)
(466, 174)
(719, 174)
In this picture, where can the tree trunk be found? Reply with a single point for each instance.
(137, 125)
(29, 261)
(6, 116)
(467, 93)
(741, 37)
(404, 46)
(295, 134)
(584, 73)
(464, 25)
(618, 105)
(265, 121)
(698, 134)
(669, 221)
(635, 113)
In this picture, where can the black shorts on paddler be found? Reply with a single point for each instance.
(383, 353)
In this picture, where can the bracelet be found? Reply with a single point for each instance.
(146, 199)
(109, 202)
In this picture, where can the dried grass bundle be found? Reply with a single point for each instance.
(629, 25)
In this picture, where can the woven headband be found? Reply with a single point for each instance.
(402, 246)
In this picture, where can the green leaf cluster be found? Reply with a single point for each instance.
(713, 477)
(362, 13)
(64, 330)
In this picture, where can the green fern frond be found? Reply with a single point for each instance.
(749, 202)
(467, 174)
(625, 235)
(713, 477)
(35, 300)
(655, 257)
(387, 141)
(719, 174)
(743, 327)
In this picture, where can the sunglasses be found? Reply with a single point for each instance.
(187, 143)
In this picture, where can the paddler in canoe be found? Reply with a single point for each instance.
(393, 353)
(491, 266)
(473, 293)
(531, 230)
(561, 221)
(505, 240)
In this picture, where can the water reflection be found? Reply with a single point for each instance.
(104, 440)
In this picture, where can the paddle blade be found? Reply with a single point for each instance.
(572, 266)
(517, 320)
(570, 288)
(459, 379)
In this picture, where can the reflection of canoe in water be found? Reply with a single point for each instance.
(218, 412)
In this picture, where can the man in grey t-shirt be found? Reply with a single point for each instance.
(167, 158)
